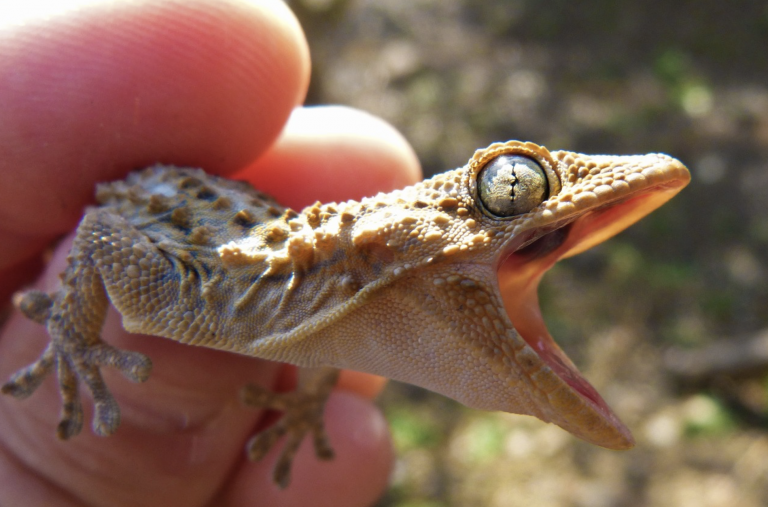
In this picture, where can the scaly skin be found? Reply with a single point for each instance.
(423, 285)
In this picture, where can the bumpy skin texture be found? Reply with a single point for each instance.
(423, 285)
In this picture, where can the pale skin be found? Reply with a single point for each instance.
(82, 111)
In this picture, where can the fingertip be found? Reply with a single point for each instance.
(334, 153)
(364, 384)
(119, 85)
(357, 475)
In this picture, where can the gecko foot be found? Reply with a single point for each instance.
(75, 359)
(302, 414)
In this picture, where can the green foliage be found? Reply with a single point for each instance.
(706, 416)
(484, 438)
(410, 429)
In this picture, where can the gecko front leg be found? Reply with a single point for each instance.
(103, 253)
(302, 413)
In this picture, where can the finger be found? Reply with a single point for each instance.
(15, 276)
(356, 476)
(333, 153)
(120, 85)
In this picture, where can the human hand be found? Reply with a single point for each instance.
(92, 93)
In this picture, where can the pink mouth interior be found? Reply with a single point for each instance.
(520, 272)
(521, 300)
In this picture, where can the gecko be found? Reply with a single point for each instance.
(434, 284)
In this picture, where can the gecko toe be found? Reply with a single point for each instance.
(323, 448)
(282, 471)
(24, 382)
(71, 422)
(20, 386)
(35, 305)
(133, 365)
(106, 417)
(258, 397)
(261, 443)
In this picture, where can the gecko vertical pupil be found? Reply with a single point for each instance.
(511, 185)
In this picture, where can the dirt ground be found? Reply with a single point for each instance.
(666, 318)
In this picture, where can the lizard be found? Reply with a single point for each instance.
(434, 284)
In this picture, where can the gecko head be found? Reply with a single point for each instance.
(543, 207)
(463, 254)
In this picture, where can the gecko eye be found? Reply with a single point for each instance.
(511, 185)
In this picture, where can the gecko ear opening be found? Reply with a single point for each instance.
(511, 185)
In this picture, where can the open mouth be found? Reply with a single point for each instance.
(520, 272)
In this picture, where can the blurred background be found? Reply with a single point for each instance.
(669, 320)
